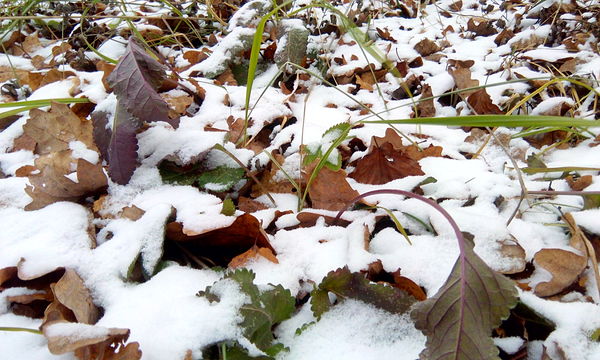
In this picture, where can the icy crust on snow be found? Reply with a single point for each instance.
(352, 330)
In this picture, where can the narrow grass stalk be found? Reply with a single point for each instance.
(20, 329)
(493, 120)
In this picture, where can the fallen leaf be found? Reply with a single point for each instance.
(51, 184)
(565, 267)
(462, 79)
(481, 26)
(482, 104)
(72, 293)
(253, 253)
(514, 254)
(90, 342)
(426, 108)
(579, 183)
(384, 164)
(221, 245)
(55, 129)
(348, 285)
(426, 47)
(309, 219)
(376, 273)
(330, 189)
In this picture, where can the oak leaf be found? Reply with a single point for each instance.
(254, 252)
(462, 79)
(426, 108)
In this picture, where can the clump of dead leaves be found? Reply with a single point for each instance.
(60, 298)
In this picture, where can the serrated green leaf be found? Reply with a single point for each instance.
(459, 319)
(345, 284)
(264, 309)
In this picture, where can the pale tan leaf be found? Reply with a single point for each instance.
(72, 293)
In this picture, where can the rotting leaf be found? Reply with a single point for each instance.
(264, 309)
(459, 319)
(426, 108)
(345, 284)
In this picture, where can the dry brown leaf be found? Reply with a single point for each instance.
(365, 81)
(55, 75)
(482, 104)
(107, 69)
(377, 273)
(270, 183)
(250, 205)
(330, 189)
(426, 108)
(178, 104)
(51, 185)
(71, 292)
(194, 56)
(55, 129)
(426, 47)
(309, 219)
(481, 26)
(253, 253)
(580, 183)
(565, 267)
(384, 164)
(236, 128)
(456, 6)
(90, 342)
(515, 254)
(504, 37)
(24, 77)
(462, 79)
(226, 78)
(221, 245)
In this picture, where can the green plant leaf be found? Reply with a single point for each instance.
(222, 177)
(459, 319)
(264, 310)
(228, 207)
(345, 284)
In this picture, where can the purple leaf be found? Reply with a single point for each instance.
(101, 132)
(122, 149)
(459, 319)
(135, 80)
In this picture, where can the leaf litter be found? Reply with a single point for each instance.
(114, 220)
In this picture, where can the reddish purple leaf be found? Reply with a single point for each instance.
(122, 149)
(135, 81)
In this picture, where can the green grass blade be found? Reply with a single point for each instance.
(493, 121)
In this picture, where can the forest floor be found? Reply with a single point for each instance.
(315, 180)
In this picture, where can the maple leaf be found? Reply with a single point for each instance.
(55, 129)
(348, 285)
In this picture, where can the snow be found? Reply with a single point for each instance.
(354, 331)
(164, 314)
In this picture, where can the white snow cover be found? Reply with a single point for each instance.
(164, 314)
